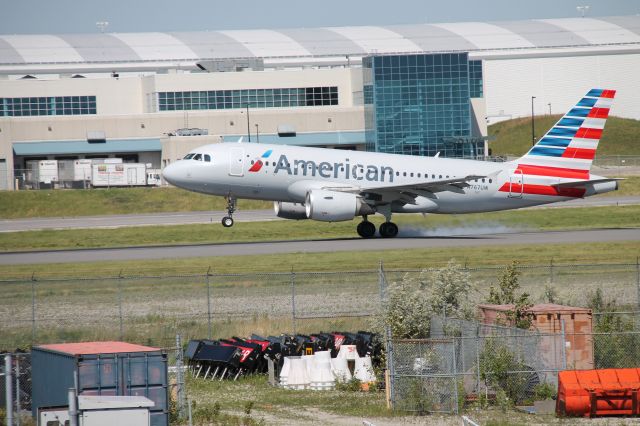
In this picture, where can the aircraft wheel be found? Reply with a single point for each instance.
(227, 221)
(366, 229)
(388, 230)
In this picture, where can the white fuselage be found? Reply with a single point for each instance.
(287, 174)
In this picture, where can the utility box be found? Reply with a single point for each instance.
(101, 411)
(549, 318)
(102, 369)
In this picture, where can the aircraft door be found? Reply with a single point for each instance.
(236, 162)
(516, 184)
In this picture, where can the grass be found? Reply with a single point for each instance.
(343, 261)
(544, 219)
(513, 137)
(272, 405)
(75, 202)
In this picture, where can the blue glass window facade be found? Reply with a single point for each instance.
(255, 98)
(419, 105)
(51, 105)
(475, 79)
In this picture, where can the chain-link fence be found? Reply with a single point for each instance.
(153, 309)
(15, 387)
(466, 360)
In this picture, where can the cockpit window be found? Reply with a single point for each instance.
(188, 156)
(198, 157)
(207, 158)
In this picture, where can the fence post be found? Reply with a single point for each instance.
(8, 388)
(455, 376)
(381, 282)
(180, 377)
(390, 366)
(33, 308)
(18, 408)
(209, 303)
(564, 346)
(638, 281)
(120, 305)
(390, 375)
(551, 271)
(293, 300)
(477, 359)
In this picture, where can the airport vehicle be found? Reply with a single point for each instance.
(123, 174)
(42, 173)
(336, 185)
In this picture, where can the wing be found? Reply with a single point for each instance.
(383, 194)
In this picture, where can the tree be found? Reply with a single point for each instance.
(506, 294)
(412, 301)
(450, 288)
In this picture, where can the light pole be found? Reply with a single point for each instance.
(248, 126)
(583, 9)
(549, 108)
(257, 134)
(102, 25)
(533, 124)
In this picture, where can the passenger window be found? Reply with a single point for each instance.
(411, 174)
(404, 173)
(198, 157)
(419, 174)
(207, 158)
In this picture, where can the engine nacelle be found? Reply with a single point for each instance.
(290, 210)
(334, 206)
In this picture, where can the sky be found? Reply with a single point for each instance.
(80, 16)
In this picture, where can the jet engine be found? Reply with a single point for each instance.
(290, 210)
(334, 206)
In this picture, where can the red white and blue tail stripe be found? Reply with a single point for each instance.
(568, 148)
(559, 164)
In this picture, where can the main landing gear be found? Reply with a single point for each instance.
(227, 221)
(388, 230)
(367, 229)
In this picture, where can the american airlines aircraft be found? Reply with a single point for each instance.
(335, 185)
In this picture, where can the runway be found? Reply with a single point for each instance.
(203, 217)
(319, 246)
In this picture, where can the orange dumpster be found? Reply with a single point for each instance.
(591, 393)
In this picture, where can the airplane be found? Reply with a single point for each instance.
(332, 185)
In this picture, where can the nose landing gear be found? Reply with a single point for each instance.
(227, 221)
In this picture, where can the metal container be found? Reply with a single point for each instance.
(101, 368)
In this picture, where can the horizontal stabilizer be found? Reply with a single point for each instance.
(578, 183)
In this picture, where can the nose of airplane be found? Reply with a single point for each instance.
(172, 174)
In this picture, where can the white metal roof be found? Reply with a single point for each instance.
(78, 52)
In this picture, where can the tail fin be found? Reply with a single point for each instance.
(568, 148)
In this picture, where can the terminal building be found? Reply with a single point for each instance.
(419, 89)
